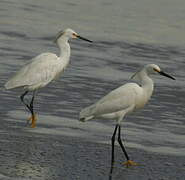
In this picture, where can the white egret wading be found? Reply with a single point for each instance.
(43, 69)
(122, 101)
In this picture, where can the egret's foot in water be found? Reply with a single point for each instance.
(33, 120)
(130, 163)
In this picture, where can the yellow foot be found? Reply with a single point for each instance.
(33, 120)
(130, 163)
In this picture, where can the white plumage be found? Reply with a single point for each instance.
(114, 104)
(37, 73)
(122, 101)
(125, 99)
(43, 69)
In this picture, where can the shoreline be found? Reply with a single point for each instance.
(51, 157)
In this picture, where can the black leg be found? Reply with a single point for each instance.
(31, 103)
(112, 158)
(30, 107)
(22, 99)
(121, 144)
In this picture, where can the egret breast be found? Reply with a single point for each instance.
(141, 100)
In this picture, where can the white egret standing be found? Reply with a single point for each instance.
(43, 69)
(122, 101)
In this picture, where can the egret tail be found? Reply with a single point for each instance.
(87, 113)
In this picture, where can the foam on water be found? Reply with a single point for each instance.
(152, 139)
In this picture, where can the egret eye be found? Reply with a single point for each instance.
(156, 70)
(74, 35)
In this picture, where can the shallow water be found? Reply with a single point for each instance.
(127, 35)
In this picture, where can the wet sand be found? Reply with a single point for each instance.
(29, 155)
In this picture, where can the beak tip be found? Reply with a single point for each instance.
(164, 74)
(82, 38)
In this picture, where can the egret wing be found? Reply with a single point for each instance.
(117, 100)
(42, 69)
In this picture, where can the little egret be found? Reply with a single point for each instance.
(43, 69)
(122, 101)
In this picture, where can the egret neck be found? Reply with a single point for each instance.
(146, 83)
(64, 49)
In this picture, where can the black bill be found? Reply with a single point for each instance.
(164, 74)
(82, 38)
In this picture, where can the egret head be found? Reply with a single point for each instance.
(69, 34)
(151, 69)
